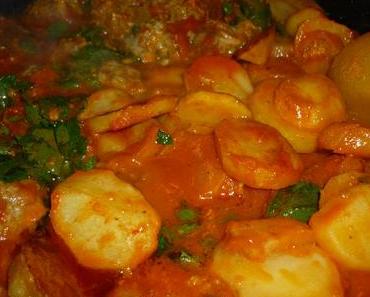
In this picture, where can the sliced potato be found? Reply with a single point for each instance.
(282, 9)
(274, 258)
(106, 223)
(295, 20)
(259, 51)
(346, 138)
(299, 108)
(105, 101)
(109, 143)
(218, 74)
(341, 226)
(131, 115)
(201, 111)
(257, 154)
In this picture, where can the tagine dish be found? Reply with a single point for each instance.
(183, 148)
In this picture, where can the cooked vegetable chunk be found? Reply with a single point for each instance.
(298, 202)
(341, 226)
(218, 74)
(273, 258)
(105, 222)
(131, 115)
(257, 154)
(346, 138)
(21, 206)
(298, 107)
(201, 111)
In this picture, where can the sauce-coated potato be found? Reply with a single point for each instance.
(351, 72)
(201, 111)
(106, 223)
(298, 107)
(342, 224)
(218, 74)
(274, 258)
(257, 154)
(346, 138)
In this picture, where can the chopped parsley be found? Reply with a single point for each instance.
(299, 202)
(164, 138)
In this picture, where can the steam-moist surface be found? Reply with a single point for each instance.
(146, 146)
(105, 222)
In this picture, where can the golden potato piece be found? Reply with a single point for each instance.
(218, 74)
(257, 154)
(105, 101)
(21, 206)
(259, 51)
(346, 138)
(106, 223)
(351, 72)
(110, 143)
(274, 258)
(201, 111)
(341, 226)
(295, 20)
(131, 115)
(318, 41)
(298, 107)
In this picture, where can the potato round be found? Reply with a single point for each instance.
(274, 258)
(341, 226)
(257, 154)
(298, 107)
(351, 72)
(106, 223)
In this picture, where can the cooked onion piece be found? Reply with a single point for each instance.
(346, 138)
(274, 258)
(341, 226)
(106, 223)
(201, 111)
(318, 41)
(257, 154)
(21, 206)
(298, 107)
(218, 74)
(131, 115)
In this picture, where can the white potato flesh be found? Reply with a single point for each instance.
(201, 111)
(342, 225)
(106, 222)
(274, 258)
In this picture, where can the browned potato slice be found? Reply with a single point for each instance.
(351, 72)
(105, 101)
(218, 74)
(109, 143)
(39, 271)
(21, 206)
(106, 223)
(298, 107)
(274, 258)
(341, 226)
(201, 111)
(259, 52)
(131, 115)
(318, 41)
(257, 154)
(295, 20)
(346, 138)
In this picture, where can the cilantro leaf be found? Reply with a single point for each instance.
(57, 29)
(299, 202)
(258, 11)
(7, 83)
(164, 138)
